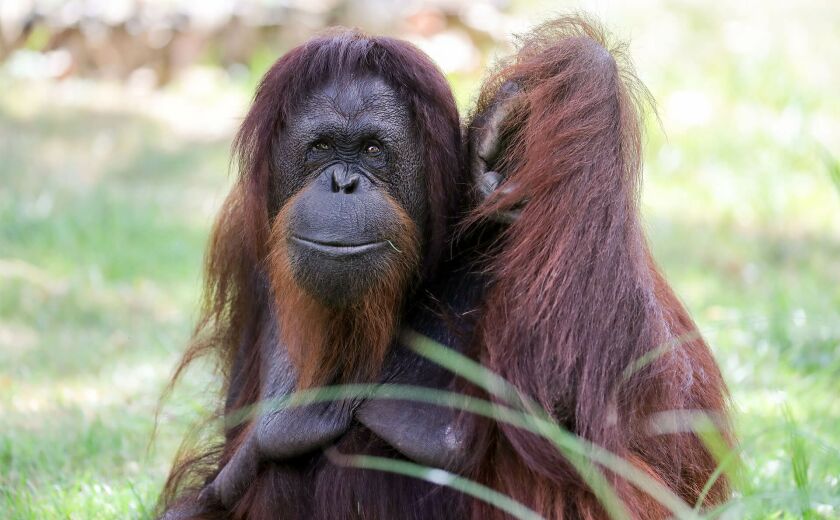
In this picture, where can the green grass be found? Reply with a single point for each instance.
(104, 217)
(105, 206)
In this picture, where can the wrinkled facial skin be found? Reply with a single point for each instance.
(346, 175)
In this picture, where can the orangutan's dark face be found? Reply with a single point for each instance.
(348, 192)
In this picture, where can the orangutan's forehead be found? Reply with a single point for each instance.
(351, 106)
(354, 96)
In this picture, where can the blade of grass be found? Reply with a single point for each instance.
(579, 452)
(653, 354)
(727, 457)
(706, 428)
(832, 165)
(435, 476)
(722, 467)
(540, 421)
(766, 501)
(799, 464)
(463, 366)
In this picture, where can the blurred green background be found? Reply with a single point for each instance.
(115, 124)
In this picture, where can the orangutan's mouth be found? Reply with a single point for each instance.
(336, 248)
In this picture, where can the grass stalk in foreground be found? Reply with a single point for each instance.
(582, 454)
(436, 476)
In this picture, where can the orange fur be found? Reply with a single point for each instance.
(341, 345)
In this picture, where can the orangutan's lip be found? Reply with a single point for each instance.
(339, 248)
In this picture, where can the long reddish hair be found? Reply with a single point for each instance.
(237, 293)
(577, 300)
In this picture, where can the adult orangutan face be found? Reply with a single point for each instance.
(348, 187)
(348, 197)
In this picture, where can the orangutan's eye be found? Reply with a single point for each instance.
(372, 149)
